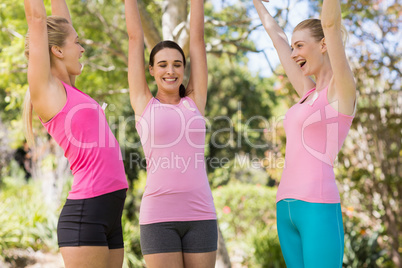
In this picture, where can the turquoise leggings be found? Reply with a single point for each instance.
(310, 234)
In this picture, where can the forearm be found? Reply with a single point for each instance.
(197, 21)
(281, 44)
(34, 10)
(133, 20)
(275, 32)
(331, 14)
(59, 8)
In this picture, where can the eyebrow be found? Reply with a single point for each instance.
(164, 61)
(299, 41)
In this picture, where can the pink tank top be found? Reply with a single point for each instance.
(315, 132)
(81, 129)
(173, 139)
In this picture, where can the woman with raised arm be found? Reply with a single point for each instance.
(177, 216)
(309, 216)
(89, 230)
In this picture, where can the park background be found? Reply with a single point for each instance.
(247, 99)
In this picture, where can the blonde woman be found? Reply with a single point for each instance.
(89, 229)
(309, 214)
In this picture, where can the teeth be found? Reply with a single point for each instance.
(170, 79)
(301, 63)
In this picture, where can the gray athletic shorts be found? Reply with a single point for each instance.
(179, 236)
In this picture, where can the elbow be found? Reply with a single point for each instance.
(135, 37)
(197, 40)
(36, 18)
(35, 13)
(331, 23)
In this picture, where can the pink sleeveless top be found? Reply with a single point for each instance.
(315, 132)
(81, 130)
(173, 139)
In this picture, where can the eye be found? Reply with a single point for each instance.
(162, 65)
(177, 65)
(299, 45)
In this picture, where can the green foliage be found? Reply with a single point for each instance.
(238, 111)
(241, 169)
(130, 221)
(13, 63)
(26, 220)
(362, 248)
(268, 250)
(132, 249)
(246, 215)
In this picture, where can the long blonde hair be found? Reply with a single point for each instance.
(57, 34)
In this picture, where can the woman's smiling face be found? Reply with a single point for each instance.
(306, 52)
(168, 69)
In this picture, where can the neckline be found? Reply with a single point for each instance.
(307, 95)
(313, 90)
(172, 104)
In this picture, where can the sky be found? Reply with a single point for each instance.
(298, 12)
(257, 62)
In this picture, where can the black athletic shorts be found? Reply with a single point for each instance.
(92, 222)
(179, 236)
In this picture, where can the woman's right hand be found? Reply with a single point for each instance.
(299, 82)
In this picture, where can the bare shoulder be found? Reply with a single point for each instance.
(200, 101)
(343, 103)
(51, 101)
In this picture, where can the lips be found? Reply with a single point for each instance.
(301, 63)
(170, 79)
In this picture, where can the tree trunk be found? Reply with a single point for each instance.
(222, 256)
(6, 154)
(174, 18)
(51, 168)
(151, 34)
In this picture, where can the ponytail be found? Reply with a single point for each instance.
(345, 35)
(27, 119)
(182, 91)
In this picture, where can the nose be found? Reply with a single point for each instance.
(82, 49)
(293, 54)
(170, 69)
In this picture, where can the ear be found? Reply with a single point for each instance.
(151, 70)
(57, 52)
(323, 45)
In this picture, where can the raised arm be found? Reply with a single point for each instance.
(198, 82)
(39, 75)
(139, 90)
(299, 82)
(59, 8)
(342, 86)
